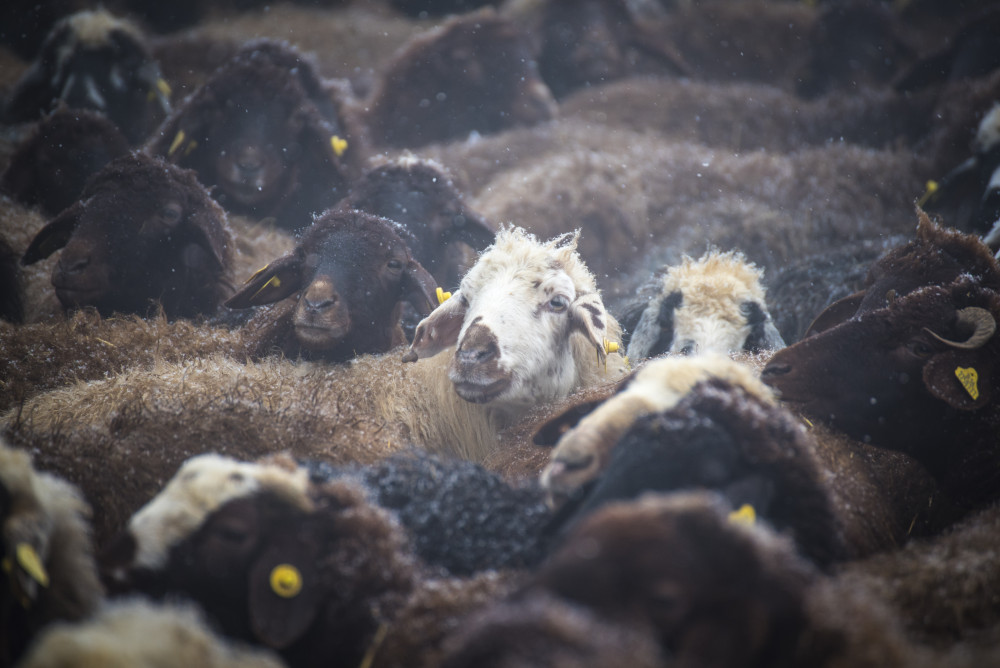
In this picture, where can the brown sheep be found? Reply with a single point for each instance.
(142, 231)
(51, 166)
(48, 555)
(475, 73)
(349, 273)
(94, 60)
(268, 134)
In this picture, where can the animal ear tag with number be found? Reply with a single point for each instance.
(969, 378)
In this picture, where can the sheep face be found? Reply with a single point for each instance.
(351, 271)
(143, 230)
(585, 435)
(713, 305)
(908, 377)
(515, 322)
(93, 60)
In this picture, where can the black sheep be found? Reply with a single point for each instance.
(268, 134)
(142, 231)
(350, 272)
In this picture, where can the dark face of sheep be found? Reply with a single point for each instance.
(912, 377)
(727, 595)
(421, 196)
(513, 322)
(142, 231)
(351, 270)
(92, 60)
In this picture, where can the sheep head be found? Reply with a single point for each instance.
(714, 304)
(351, 270)
(912, 376)
(142, 230)
(584, 436)
(527, 322)
(94, 60)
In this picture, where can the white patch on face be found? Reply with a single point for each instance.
(201, 485)
(721, 329)
(532, 333)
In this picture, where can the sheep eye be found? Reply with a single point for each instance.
(171, 214)
(688, 349)
(395, 265)
(919, 348)
(558, 303)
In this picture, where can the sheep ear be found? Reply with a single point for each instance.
(208, 222)
(549, 433)
(438, 330)
(54, 235)
(961, 378)
(285, 592)
(419, 288)
(272, 283)
(588, 316)
(471, 229)
(835, 313)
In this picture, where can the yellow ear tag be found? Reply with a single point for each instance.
(163, 87)
(274, 280)
(176, 143)
(258, 273)
(192, 145)
(338, 145)
(969, 379)
(745, 515)
(286, 581)
(28, 560)
(932, 187)
(610, 347)
(442, 296)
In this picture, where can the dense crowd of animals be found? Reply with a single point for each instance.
(518, 334)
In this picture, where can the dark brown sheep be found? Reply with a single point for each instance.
(421, 196)
(350, 273)
(268, 134)
(51, 166)
(475, 73)
(919, 376)
(94, 60)
(142, 231)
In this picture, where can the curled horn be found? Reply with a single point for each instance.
(983, 323)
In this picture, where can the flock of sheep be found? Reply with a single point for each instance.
(516, 334)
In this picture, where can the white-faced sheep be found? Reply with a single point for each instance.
(350, 273)
(268, 134)
(313, 571)
(136, 633)
(50, 167)
(94, 60)
(473, 74)
(49, 572)
(715, 304)
(142, 231)
(534, 301)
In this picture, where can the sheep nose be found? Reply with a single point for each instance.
(320, 304)
(250, 160)
(773, 370)
(478, 346)
(320, 295)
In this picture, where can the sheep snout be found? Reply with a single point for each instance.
(475, 371)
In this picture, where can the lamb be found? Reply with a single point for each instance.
(926, 363)
(350, 272)
(552, 343)
(492, 84)
(715, 304)
(268, 134)
(51, 166)
(142, 231)
(136, 633)
(421, 195)
(94, 60)
(49, 569)
(314, 572)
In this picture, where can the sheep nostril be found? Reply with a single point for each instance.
(75, 265)
(772, 370)
(478, 354)
(320, 305)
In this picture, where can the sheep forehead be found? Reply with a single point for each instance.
(200, 486)
(664, 381)
(92, 28)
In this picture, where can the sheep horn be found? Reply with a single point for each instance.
(980, 319)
